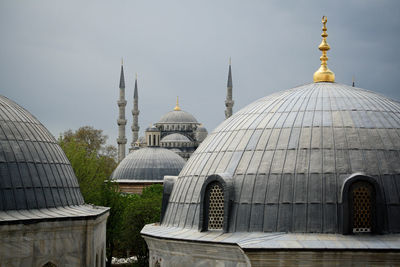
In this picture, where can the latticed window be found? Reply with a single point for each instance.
(215, 207)
(363, 200)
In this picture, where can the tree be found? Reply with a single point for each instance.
(141, 210)
(93, 162)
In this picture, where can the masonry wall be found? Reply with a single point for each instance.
(323, 258)
(64, 243)
(169, 253)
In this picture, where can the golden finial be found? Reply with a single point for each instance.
(324, 74)
(177, 108)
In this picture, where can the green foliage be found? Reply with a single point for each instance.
(93, 163)
(141, 210)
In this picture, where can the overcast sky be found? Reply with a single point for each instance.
(61, 59)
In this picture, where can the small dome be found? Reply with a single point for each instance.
(178, 116)
(201, 133)
(149, 163)
(288, 157)
(152, 129)
(34, 171)
(175, 137)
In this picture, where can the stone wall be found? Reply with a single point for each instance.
(64, 242)
(135, 187)
(323, 258)
(169, 253)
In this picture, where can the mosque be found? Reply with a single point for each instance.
(164, 149)
(305, 176)
(43, 218)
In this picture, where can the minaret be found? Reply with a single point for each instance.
(229, 102)
(121, 140)
(135, 113)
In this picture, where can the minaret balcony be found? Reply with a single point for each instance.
(121, 140)
(121, 122)
(229, 103)
(121, 103)
(135, 112)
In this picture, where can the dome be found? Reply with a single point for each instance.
(175, 137)
(152, 129)
(288, 157)
(178, 116)
(148, 164)
(34, 171)
(201, 133)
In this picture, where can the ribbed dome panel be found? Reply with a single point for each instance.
(149, 163)
(34, 171)
(288, 155)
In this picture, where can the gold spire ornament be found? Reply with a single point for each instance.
(177, 108)
(324, 74)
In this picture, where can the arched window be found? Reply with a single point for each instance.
(362, 203)
(49, 264)
(214, 207)
(363, 208)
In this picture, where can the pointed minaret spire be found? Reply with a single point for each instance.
(353, 81)
(135, 113)
(229, 102)
(121, 140)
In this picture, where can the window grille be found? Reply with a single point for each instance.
(216, 207)
(362, 207)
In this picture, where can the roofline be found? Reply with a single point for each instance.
(46, 211)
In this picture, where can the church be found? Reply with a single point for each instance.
(306, 176)
(166, 146)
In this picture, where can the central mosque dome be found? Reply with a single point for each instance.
(177, 116)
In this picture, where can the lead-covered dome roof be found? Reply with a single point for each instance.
(34, 171)
(148, 164)
(288, 155)
(178, 116)
(175, 137)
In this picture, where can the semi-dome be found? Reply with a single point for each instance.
(148, 164)
(201, 133)
(178, 116)
(34, 171)
(286, 163)
(175, 137)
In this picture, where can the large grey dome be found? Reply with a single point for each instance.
(288, 156)
(178, 116)
(148, 164)
(34, 171)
